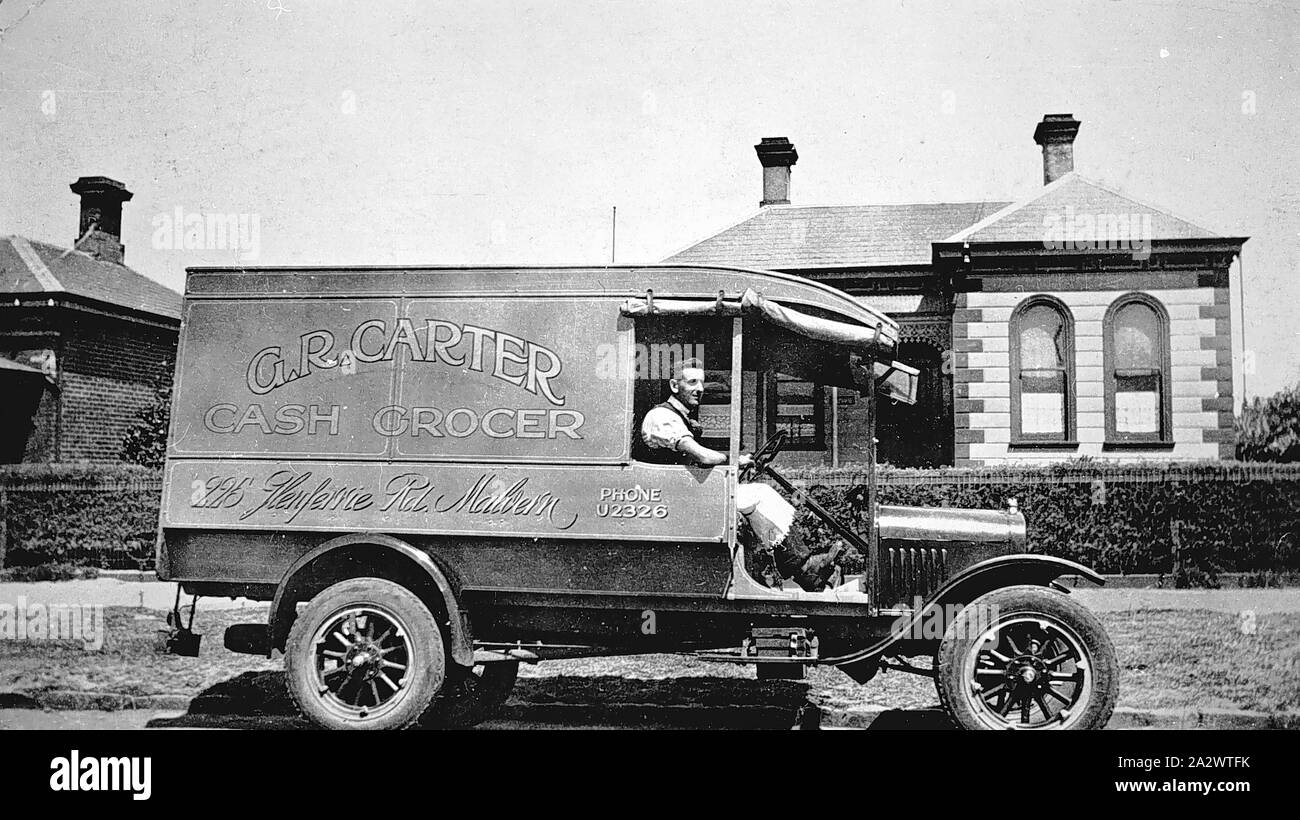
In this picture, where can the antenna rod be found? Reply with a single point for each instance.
(613, 235)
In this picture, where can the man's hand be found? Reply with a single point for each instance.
(746, 460)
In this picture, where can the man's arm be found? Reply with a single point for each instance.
(704, 456)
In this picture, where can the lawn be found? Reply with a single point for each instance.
(1168, 658)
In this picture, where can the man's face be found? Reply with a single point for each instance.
(690, 387)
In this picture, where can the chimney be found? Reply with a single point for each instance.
(777, 155)
(100, 231)
(1056, 134)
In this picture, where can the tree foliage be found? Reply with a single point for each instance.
(145, 442)
(1269, 429)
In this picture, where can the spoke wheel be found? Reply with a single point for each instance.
(1027, 658)
(365, 654)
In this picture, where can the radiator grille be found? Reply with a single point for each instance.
(911, 572)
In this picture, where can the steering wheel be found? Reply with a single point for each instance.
(765, 454)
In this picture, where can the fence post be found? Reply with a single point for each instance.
(1175, 537)
(4, 526)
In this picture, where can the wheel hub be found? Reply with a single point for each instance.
(364, 656)
(1027, 670)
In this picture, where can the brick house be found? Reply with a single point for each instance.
(1075, 321)
(83, 338)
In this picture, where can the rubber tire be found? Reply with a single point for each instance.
(467, 699)
(427, 648)
(1020, 600)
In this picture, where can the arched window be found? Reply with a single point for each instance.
(1137, 370)
(1042, 371)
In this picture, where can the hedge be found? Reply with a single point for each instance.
(1115, 518)
(1226, 516)
(101, 516)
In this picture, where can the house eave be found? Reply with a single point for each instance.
(948, 253)
(65, 300)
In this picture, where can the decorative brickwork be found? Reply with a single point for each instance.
(963, 345)
(1221, 373)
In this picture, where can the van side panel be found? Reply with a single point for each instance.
(493, 430)
(464, 379)
(517, 378)
(281, 378)
(633, 502)
(258, 560)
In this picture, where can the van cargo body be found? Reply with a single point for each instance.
(467, 408)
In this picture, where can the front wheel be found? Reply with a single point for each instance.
(365, 653)
(1027, 657)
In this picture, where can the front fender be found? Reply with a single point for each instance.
(971, 583)
(1007, 570)
(415, 568)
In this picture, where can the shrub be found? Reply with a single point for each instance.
(1114, 518)
(48, 572)
(103, 516)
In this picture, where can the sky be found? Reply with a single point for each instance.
(423, 132)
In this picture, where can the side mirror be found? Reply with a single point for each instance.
(897, 381)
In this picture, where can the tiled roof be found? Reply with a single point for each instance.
(789, 237)
(1065, 203)
(27, 266)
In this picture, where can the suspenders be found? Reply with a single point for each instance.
(694, 426)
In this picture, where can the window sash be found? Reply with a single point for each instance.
(1042, 386)
(1129, 416)
(1133, 417)
(1036, 416)
(802, 415)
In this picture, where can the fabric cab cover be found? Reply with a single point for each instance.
(878, 343)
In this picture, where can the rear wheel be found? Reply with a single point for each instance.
(471, 696)
(365, 653)
(1027, 657)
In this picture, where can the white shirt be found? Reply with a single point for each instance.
(663, 428)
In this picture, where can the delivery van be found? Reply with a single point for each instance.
(433, 475)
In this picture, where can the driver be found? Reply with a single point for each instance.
(670, 432)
